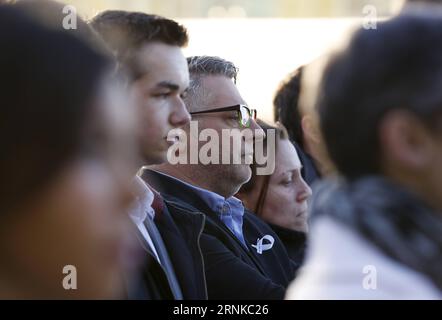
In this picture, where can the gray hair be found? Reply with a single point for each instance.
(201, 66)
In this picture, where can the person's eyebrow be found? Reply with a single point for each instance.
(292, 171)
(168, 85)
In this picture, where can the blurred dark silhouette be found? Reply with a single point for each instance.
(61, 194)
(286, 110)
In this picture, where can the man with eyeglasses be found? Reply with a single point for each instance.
(243, 257)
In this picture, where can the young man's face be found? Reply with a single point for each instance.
(158, 97)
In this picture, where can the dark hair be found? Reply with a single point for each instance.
(397, 66)
(126, 32)
(280, 134)
(285, 106)
(48, 84)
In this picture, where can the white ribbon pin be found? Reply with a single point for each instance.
(264, 247)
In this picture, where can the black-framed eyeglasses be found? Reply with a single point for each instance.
(245, 114)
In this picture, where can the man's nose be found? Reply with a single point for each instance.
(180, 116)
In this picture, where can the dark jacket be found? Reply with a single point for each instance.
(180, 231)
(294, 242)
(232, 270)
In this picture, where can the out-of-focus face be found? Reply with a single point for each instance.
(435, 173)
(287, 194)
(412, 155)
(222, 92)
(78, 219)
(158, 96)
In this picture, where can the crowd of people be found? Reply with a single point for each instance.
(92, 207)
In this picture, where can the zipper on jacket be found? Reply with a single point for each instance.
(192, 213)
(201, 253)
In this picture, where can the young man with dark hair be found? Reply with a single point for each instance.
(148, 49)
(128, 33)
(376, 232)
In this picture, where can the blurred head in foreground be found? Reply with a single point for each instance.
(382, 114)
(379, 107)
(66, 154)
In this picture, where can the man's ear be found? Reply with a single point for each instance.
(404, 140)
(310, 129)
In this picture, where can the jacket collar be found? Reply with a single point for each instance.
(177, 189)
(190, 197)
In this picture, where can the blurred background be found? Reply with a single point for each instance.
(266, 39)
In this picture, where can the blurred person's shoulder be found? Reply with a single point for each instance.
(340, 264)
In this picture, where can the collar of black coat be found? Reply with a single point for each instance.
(173, 189)
(180, 194)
